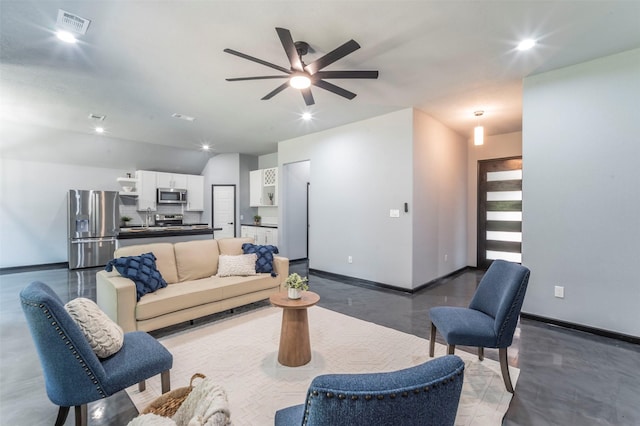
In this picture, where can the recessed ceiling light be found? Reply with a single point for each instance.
(306, 116)
(206, 147)
(66, 36)
(99, 129)
(526, 44)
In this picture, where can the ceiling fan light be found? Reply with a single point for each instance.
(300, 81)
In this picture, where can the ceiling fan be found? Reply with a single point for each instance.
(301, 76)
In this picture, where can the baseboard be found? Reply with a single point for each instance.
(373, 284)
(30, 268)
(593, 330)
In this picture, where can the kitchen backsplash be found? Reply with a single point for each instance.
(128, 208)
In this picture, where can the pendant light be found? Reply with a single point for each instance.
(478, 131)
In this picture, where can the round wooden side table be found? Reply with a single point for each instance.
(295, 345)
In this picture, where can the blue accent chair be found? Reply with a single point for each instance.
(74, 375)
(491, 318)
(427, 394)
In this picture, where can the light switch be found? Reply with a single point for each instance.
(394, 213)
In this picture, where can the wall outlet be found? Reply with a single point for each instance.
(241, 217)
(446, 257)
(349, 259)
(559, 292)
(394, 213)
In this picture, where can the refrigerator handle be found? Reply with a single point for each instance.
(94, 214)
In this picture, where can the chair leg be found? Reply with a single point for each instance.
(63, 412)
(451, 349)
(165, 379)
(504, 366)
(81, 415)
(432, 340)
(142, 386)
(480, 353)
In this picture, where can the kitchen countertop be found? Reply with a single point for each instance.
(263, 225)
(164, 231)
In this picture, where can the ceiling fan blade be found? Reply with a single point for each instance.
(334, 89)
(331, 57)
(308, 97)
(260, 61)
(262, 77)
(290, 48)
(346, 74)
(276, 91)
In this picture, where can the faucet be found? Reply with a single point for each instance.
(148, 217)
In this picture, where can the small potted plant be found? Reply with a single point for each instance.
(125, 220)
(295, 284)
(256, 219)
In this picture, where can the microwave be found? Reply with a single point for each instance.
(172, 196)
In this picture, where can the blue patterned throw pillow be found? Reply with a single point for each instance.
(265, 254)
(142, 270)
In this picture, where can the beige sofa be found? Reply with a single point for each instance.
(193, 290)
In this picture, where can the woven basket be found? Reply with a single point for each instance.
(167, 404)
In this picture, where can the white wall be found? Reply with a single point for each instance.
(439, 200)
(223, 169)
(498, 146)
(358, 172)
(33, 208)
(581, 183)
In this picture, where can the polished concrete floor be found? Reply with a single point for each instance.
(566, 377)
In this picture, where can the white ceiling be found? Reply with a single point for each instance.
(141, 61)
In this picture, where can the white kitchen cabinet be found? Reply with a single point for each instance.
(195, 193)
(262, 183)
(171, 180)
(249, 232)
(260, 235)
(146, 190)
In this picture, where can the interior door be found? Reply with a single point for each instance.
(499, 211)
(223, 211)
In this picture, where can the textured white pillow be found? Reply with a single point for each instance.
(104, 336)
(242, 265)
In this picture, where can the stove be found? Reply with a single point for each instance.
(169, 219)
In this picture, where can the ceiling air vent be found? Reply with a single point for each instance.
(70, 22)
(182, 117)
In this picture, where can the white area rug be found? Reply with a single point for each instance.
(241, 353)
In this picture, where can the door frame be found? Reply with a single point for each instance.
(235, 207)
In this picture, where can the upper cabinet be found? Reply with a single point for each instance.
(263, 187)
(146, 190)
(195, 193)
(171, 180)
(148, 182)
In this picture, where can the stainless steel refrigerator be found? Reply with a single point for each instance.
(94, 219)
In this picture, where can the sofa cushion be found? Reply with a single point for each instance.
(232, 246)
(104, 336)
(165, 258)
(141, 270)
(188, 294)
(264, 264)
(241, 265)
(196, 259)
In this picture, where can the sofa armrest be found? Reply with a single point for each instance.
(116, 296)
(281, 267)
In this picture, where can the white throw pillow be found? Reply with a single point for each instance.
(104, 336)
(242, 265)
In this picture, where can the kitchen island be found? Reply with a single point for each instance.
(169, 234)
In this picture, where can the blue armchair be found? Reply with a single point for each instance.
(491, 318)
(74, 375)
(427, 394)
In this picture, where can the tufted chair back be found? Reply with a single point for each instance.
(427, 394)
